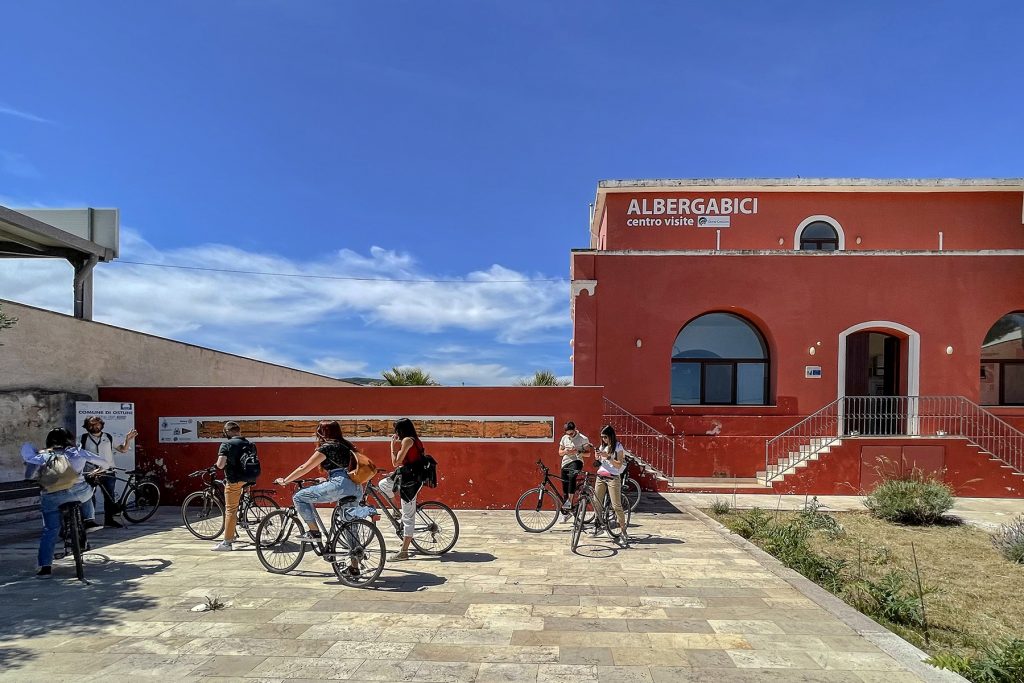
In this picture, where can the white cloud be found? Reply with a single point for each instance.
(17, 113)
(266, 317)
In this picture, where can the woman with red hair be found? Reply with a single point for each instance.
(335, 455)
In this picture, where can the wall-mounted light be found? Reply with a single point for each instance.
(859, 240)
(819, 344)
(572, 342)
(812, 350)
(781, 241)
(572, 358)
(949, 350)
(639, 343)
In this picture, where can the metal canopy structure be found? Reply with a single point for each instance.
(84, 237)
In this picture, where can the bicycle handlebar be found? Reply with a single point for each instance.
(199, 473)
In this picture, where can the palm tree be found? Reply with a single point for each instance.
(407, 377)
(543, 378)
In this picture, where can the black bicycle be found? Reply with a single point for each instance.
(139, 498)
(353, 547)
(538, 508)
(72, 530)
(203, 511)
(435, 530)
(585, 512)
(630, 487)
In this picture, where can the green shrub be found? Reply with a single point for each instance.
(892, 598)
(790, 543)
(720, 506)
(810, 517)
(1009, 540)
(753, 524)
(915, 500)
(1001, 662)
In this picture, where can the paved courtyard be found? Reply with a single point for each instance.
(684, 604)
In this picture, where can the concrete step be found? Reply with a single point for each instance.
(715, 483)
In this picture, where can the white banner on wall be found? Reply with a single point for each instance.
(118, 419)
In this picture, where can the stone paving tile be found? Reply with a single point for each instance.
(523, 609)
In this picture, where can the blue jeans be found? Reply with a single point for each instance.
(50, 504)
(337, 487)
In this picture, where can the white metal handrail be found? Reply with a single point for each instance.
(655, 452)
(917, 416)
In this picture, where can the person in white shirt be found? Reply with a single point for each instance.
(612, 458)
(572, 447)
(97, 441)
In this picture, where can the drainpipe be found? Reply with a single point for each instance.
(83, 286)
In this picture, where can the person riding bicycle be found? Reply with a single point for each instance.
(60, 441)
(571, 447)
(334, 454)
(611, 464)
(407, 456)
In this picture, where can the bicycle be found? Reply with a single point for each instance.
(72, 530)
(538, 508)
(139, 498)
(585, 512)
(431, 535)
(630, 487)
(354, 547)
(203, 511)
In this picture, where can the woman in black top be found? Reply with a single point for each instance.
(334, 453)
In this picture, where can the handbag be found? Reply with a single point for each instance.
(365, 469)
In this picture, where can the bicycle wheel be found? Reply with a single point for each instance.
(203, 515)
(537, 510)
(141, 502)
(356, 552)
(630, 494)
(277, 543)
(259, 507)
(436, 528)
(583, 508)
(76, 534)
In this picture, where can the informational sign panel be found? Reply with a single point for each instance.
(118, 419)
(812, 372)
(539, 429)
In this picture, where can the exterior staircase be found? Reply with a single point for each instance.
(852, 417)
(654, 452)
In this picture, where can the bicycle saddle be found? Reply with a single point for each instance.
(134, 472)
(347, 499)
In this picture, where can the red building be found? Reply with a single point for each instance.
(805, 335)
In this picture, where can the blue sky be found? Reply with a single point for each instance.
(451, 141)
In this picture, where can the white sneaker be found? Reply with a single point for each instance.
(223, 545)
(564, 519)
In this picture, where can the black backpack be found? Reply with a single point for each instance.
(428, 471)
(249, 462)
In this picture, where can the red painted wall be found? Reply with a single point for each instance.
(796, 301)
(473, 474)
(895, 220)
(857, 465)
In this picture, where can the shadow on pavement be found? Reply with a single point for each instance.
(404, 581)
(64, 607)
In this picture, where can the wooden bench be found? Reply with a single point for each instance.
(19, 490)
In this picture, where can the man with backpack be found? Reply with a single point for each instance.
(97, 441)
(237, 457)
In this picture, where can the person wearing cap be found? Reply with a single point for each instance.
(572, 447)
(229, 459)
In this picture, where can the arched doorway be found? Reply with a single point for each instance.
(879, 367)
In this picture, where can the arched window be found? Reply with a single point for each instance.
(719, 359)
(819, 236)
(1002, 362)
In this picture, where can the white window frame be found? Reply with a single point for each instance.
(824, 219)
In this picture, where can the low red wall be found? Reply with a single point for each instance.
(491, 473)
(857, 465)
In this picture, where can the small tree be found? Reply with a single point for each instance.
(543, 378)
(6, 321)
(408, 377)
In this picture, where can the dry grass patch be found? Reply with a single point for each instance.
(973, 594)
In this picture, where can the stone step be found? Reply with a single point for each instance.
(715, 483)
